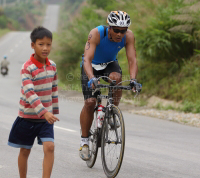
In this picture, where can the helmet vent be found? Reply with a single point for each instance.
(109, 20)
(114, 20)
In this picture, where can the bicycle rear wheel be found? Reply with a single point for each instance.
(112, 150)
(93, 141)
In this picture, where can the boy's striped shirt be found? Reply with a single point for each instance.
(39, 90)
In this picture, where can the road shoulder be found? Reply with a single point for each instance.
(170, 115)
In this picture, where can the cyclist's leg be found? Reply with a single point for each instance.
(113, 71)
(86, 116)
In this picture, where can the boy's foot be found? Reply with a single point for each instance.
(84, 152)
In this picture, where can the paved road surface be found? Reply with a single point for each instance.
(51, 18)
(154, 148)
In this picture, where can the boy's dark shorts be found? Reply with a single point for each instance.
(23, 133)
(111, 67)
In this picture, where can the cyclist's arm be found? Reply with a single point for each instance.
(131, 54)
(90, 47)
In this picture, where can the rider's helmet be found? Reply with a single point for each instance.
(5, 57)
(119, 19)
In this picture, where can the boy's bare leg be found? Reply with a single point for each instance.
(23, 161)
(48, 159)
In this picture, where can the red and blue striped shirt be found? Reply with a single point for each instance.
(39, 90)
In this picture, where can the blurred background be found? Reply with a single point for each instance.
(167, 34)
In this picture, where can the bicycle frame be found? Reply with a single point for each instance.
(109, 105)
(108, 112)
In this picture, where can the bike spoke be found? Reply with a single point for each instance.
(112, 150)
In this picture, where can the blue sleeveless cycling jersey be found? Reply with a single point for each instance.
(107, 50)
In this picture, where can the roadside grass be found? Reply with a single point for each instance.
(72, 78)
(186, 106)
(3, 32)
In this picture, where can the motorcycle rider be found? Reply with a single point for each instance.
(5, 63)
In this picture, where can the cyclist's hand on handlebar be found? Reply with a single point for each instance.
(135, 86)
(93, 83)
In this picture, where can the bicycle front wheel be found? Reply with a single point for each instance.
(113, 143)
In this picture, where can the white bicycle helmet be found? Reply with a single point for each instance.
(119, 19)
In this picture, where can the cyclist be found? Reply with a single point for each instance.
(5, 63)
(99, 59)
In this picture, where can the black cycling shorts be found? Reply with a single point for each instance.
(111, 67)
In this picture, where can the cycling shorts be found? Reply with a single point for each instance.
(111, 67)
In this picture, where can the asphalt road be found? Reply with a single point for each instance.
(154, 148)
(51, 18)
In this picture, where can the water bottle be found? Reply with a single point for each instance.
(100, 116)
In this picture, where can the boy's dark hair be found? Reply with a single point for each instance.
(40, 33)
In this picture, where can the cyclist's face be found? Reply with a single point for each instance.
(42, 48)
(118, 33)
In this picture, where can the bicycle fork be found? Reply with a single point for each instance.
(106, 119)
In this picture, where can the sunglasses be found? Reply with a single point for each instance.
(119, 31)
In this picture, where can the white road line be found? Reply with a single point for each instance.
(61, 128)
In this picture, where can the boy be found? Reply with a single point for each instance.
(38, 103)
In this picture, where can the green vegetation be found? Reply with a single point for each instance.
(3, 32)
(169, 64)
(167, 42)
(21, 16)
(185, 107)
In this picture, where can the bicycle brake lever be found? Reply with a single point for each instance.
(95, 90)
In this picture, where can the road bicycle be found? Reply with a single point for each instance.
(111, 136)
